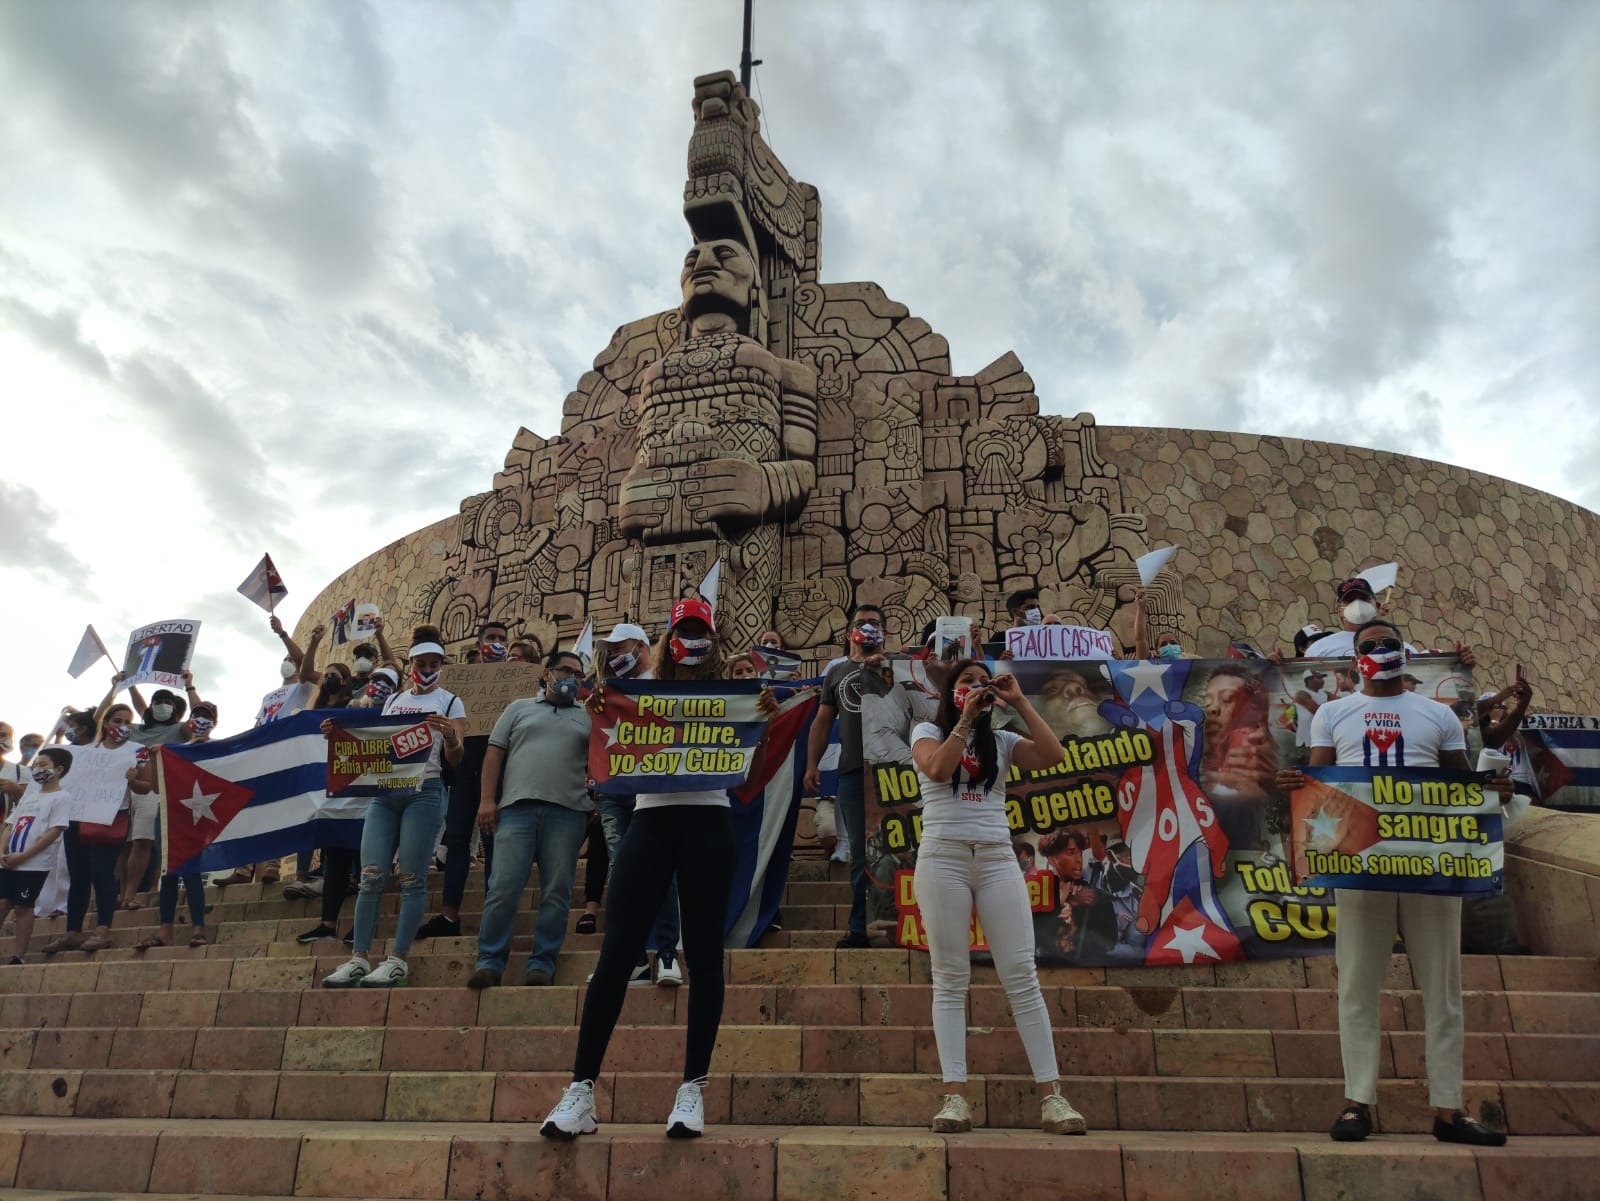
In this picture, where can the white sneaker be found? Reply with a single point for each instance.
(348, 975)
(574, 1114)
(1056, 1116)
(688, 1116)
(955, 1117)
(391, 973)
(640, 974)
(669, 972)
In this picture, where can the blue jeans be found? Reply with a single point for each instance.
(194, 888)
(616, 812)
(530, 832)
(853, 809)
(403, 828)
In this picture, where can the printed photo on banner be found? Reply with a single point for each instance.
(1397, 830)
(378, 757)
(655, 736)
(339, 623)
(952, 639)
(159, 653)
(1161, 837)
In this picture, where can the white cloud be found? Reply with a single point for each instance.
(288, 277)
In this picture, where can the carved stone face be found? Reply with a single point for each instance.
(717, 277)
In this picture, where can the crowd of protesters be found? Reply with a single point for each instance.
(518, 799)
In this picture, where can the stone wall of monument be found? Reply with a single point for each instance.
(1264, 528)
(1267, 526)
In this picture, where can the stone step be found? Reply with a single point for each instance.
(263, 994)
(323, 1042)
(61, 1159)
(836, 1099)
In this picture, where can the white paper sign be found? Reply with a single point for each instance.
(1381, 577)
(159, 653)
(365, 624)
(1150, 565)
(952, 639)
(1059, 642)
(99, 780)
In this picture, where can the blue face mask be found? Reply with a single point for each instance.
(1170, 650)
(564, 690)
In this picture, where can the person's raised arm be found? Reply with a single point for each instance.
(1516, 698)
(1040, 748)
(383, 643)
(188, 689)
(308, 662)
(139, 706)
(294, 652)
(1141, 626)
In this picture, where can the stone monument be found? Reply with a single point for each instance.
(808, 434)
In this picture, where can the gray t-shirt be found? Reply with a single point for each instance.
(842, 688)
(547, 753)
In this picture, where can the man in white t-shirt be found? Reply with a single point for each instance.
(1310, 697)
(30, 841)
(1383, 725)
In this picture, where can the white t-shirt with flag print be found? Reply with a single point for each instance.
(1405, 730)
(35, 813)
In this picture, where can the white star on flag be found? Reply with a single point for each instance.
(1323, 826)
(612, 737)
(1190, 941)
(199, 804)
(1146, 677)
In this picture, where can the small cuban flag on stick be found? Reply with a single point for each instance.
(710, 585)
(264, 585)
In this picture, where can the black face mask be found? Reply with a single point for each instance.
(332, 682)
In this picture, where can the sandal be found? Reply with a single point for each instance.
(144, 944)
(586, 924)
(199, 940)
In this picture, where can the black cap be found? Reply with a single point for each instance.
(1353, 585)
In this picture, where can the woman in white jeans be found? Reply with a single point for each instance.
(965, 859)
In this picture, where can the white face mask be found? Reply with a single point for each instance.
(1032, 616)
(287, 669)
(161, 712)
(363, 666)
(1358, 612)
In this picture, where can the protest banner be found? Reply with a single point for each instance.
(487, 688)
(339, 623)
(1562, 752)
(159, 653)
(378, 757)
(660, 736)
(366, 623)
(1161, 831)
(1397, 830)
(952, 639)
(100, 781)
(1059, 643)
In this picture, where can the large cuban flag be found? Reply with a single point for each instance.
(257, 796)
(765, 811)
(1565, 755)
(1171, 830)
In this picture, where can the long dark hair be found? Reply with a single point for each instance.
(666, 668)
(982, 729)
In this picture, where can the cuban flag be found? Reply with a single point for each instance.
(766, 810)
(1566, 763)
(1171, 830)
(256, 796)
(264, 586)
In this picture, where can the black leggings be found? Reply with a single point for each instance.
(696, 843)
(90, 864)
(337, 864)
(597, 863)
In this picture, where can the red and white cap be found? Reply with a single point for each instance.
(693, 607)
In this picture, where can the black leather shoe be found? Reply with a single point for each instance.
(1354, 1124)
(853, 942)
(1463, 1128)
(484, 977)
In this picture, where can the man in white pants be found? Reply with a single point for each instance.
(1384, 725)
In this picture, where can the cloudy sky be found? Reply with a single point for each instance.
(289, 276)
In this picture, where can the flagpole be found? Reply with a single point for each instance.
(166, 823)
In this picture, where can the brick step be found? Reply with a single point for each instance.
(56, 1160)
(222, 905)
(1526, 1016)
(320, 1043)
(841, 1099)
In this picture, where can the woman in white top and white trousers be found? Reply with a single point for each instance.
(966, 860)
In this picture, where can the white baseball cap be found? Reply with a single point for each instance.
(626, 631)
